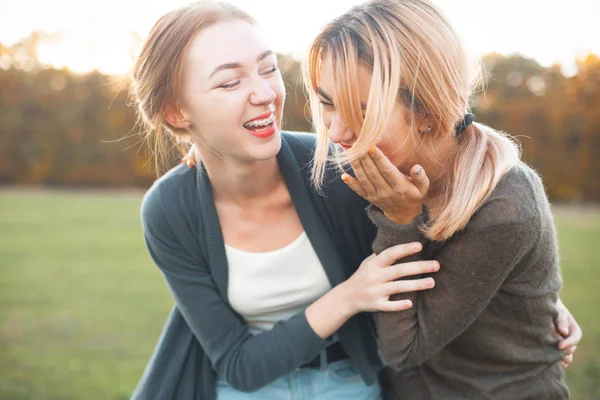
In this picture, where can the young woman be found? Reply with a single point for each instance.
(263, 270)
(393, 74)
(265, 273)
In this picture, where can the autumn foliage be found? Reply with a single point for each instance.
(64, 129)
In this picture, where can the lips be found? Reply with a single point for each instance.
(345, 146)
(262, 127)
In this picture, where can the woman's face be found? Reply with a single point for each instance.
(232, 93)
(396, 141)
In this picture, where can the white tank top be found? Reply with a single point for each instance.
(268, 287)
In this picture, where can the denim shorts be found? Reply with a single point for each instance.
(338, 380)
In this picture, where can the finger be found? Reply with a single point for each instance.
(557, 335)
(562, 325)
(394, 253)
(420, 179)
(362, 177)
(374, 174)
(410, 269)
(372, 256)
(574, 337)
(354, 185)
(566, 360)
(190, 158)
(408, 286)
(397, 305)
(389, 171)
(562, 321)
(570, 350)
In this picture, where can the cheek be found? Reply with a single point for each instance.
(214, 114)
(279, 88)
(326, 117)
(280, 94)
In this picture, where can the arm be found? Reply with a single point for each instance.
(247, 361)
(383, 185)
(474, 264)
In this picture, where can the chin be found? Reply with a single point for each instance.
(268, 149)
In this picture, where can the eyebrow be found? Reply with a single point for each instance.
(324, 95)
(235, 65)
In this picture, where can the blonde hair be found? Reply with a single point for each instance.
(157, 71)
(417, 58)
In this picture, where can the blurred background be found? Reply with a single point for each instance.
(82, 305)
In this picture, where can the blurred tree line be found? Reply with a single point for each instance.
(65, 129)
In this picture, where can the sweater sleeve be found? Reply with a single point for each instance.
(473, 265)
(246, 361)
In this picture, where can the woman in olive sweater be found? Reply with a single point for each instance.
(393, 74)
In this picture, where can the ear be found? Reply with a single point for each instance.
(175, 117)
(424, 124)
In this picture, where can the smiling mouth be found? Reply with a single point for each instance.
(260, 124)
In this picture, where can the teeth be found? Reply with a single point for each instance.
(261, 122)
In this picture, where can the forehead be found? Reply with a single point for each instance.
(224, 42)
(327, 81)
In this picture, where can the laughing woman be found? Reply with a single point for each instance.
(269, 295)
(393, 74)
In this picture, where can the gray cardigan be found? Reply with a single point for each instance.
(203, 335)
(485, 330)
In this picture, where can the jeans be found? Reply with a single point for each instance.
(336, 381)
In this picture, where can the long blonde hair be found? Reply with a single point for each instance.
(417, 58)
(157, 71)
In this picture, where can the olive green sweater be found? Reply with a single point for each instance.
(485, 330)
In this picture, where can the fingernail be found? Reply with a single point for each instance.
(407, 303)
(190, 163)
(372, 150)
(345, 177)
(416, 246)
(419, 171)
(430, 283)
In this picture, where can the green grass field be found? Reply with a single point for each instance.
(82, 306)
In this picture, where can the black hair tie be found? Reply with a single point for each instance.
(462, 125)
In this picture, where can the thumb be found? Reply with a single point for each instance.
(563, 327)
(419, 178)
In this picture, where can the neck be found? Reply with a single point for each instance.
(437, 165)
(240, 182)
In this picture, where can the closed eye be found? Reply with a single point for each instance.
(270, 70)
(230, 85)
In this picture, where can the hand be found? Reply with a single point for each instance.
(568, 332)
(190, 157)
(400, 197)
(370, 287)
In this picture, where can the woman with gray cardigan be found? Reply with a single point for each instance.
(271, 281)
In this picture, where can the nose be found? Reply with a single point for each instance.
(262, 92)
(338, 131)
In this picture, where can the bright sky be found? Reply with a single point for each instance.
(98, 34)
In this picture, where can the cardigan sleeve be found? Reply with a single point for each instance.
(246, 361)
(474, 263)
